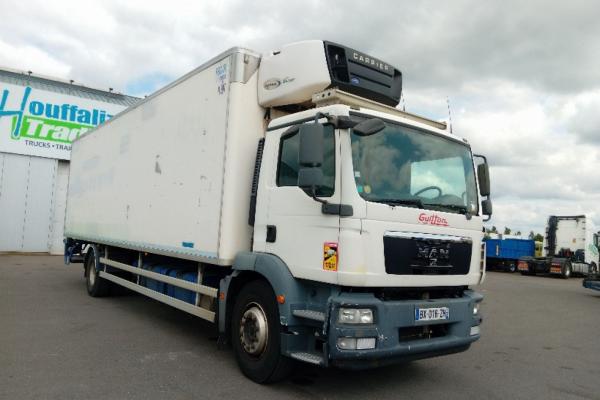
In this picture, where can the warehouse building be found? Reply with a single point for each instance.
(39, 119)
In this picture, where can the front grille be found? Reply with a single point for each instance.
(412, 333)
(416, 254)
(430, 293)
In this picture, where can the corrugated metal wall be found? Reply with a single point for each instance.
(27, 202)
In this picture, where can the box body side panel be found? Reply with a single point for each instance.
(154, 176)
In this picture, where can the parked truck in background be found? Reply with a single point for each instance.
(592, 281)
(284, 198)
(504, 253)
(570, 246)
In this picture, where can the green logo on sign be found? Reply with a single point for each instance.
(49, 129)
(50, 122)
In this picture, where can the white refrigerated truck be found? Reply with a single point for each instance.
(285, 199)
(570, 246)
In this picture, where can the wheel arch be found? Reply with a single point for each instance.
(251, 266)
(92, 249)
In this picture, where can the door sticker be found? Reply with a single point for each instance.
(330, 256)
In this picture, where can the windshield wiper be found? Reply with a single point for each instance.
(394, 202)
(461, 209)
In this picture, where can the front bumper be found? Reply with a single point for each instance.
(592, 282)
(398, 336)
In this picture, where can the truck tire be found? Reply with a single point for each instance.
(256, 334)
(593, 269)
(96, 286)
(567, 269)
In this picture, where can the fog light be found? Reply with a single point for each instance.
(346, 343)
(355, 316)
(350, 343)
(475, 330)
(365, 343)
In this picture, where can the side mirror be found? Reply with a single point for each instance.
(483, 175)
(310, 156)
(486, 207)
(310, 153)
(310, 178)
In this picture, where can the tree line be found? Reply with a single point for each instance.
(507, 231)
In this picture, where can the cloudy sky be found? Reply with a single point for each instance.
(523, 78)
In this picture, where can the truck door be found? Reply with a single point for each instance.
(296, 229)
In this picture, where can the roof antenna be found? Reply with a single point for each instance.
(403, 101)
(449, 114)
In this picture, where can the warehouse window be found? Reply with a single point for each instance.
(287, 168)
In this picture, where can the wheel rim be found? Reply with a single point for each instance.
(567, 270)
(92, 275)
(254, 330)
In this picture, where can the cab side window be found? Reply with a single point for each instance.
(287, 167)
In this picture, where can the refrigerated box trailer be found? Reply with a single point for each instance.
(504, 254)
(285, 199)
(570, 246)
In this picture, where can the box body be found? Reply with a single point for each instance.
(172, 175)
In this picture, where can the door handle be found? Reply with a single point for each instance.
(271, 233)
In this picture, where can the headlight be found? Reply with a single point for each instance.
(476, 308)
(355, 316)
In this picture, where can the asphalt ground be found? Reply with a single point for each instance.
(540, 339)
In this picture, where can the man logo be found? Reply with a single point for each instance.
(432, 254)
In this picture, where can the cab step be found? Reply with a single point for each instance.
(310, 314)
(311, 358)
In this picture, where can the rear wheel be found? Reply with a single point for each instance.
(567, 269)
(256, 334)
(96, 286)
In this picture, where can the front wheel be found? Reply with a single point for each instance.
(256, 334)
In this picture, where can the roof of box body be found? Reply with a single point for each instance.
(57, 86)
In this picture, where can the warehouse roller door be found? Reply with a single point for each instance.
(60, 206)
(26, 202)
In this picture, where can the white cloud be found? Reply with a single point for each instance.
(522, 78)
(24, 57)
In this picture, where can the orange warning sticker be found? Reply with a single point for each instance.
(330, 256)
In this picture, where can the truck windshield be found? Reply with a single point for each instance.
(404, 166)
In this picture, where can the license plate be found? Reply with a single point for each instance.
(432, 314)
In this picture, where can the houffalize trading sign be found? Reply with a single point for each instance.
(43, 123)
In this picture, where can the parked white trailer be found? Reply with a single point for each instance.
(570, 246)
(284, 198)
